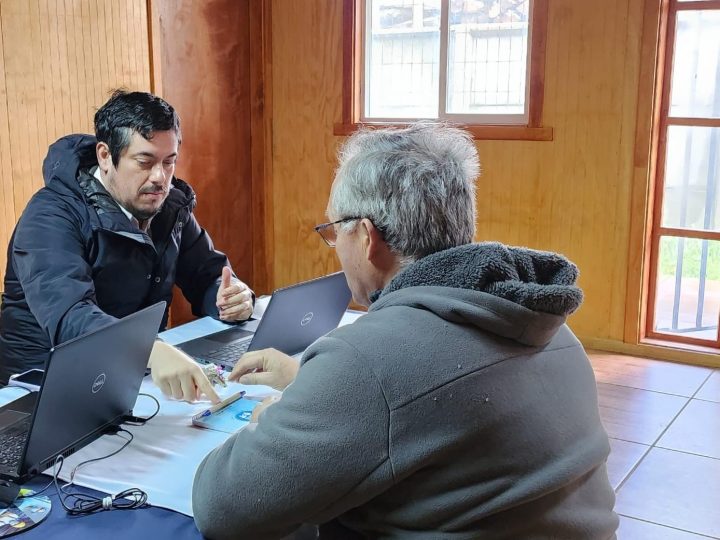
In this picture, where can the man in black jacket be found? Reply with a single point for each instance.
(110, 233)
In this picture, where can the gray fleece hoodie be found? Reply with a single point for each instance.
(461, 406)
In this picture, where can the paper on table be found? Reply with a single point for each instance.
(164, 454)
(206, 325)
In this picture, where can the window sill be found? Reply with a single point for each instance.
(657, 350)
(672, 344)
(479, 132)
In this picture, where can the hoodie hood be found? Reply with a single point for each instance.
(517, 293)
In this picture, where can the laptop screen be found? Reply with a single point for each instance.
(90, 383)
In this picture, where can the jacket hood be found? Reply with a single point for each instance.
(517, 293)
(66, 157)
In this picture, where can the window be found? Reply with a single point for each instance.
(684, 293)
(477, 63)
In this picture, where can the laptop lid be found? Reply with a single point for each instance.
(295, 317)
(298, 315)
(90, 383)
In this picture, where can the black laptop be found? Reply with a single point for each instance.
(294, 318)
(90, 384)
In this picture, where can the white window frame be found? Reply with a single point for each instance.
(443, 115)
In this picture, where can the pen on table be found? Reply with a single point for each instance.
(224, 403)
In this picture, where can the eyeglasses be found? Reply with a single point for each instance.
(328, 232)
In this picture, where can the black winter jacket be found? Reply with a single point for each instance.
(76, 262)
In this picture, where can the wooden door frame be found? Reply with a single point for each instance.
(261, 150)
(649, 165)
(644, 159)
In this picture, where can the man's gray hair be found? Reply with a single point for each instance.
(416, 184)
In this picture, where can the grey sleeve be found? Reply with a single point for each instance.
(319, 451)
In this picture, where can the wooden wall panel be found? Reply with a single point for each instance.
(307, 86)
(570, 195)
(58, 61)
(7, 207)
(204, 65)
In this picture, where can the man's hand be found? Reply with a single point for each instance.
(178, 375)
(264, 404)
(234, 298)
(268, 366)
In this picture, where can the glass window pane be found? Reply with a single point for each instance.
(692, 173)
(487, 57)
(695, 89)
(687, 302)
(402, 59)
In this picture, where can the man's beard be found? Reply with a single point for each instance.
(144, 215)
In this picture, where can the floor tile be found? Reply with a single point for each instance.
(711, 389)
(646, 374)
(623, 457)
(695, 430)
(636, 415)
(634, 529)
(674, 489)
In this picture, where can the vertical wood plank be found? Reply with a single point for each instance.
(57, 61)
(307, 87)
(261, 144)
(7, 208)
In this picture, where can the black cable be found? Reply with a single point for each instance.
(132, 421)
(34, 493)
(83, 503)
(140, 421)
(127, 442)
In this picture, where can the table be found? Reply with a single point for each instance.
(161, 460)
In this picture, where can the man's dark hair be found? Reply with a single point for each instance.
(127, 112)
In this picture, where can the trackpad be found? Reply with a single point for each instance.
(10, 417)
(229, 335)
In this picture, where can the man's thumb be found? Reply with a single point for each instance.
(226, 279)
(254, 378)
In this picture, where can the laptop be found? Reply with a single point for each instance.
(90, 384)
(294, 318)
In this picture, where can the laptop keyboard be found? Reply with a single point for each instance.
(12, 442)
(228, 354)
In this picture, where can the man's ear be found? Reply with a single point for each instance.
(376, 249)
(103, 156)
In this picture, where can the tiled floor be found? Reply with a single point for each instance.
(664, 425)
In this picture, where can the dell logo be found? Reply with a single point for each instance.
(307, 318)
(98, 383)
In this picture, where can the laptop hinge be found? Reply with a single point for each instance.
(9, 491)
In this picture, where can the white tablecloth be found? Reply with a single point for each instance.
(163, 456)
(165, 452)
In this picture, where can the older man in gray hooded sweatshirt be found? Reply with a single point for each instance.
(461, 406)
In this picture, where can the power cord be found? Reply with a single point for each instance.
(140, 421)
(131, 420)
(83, 503)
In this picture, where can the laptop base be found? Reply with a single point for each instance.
(8, 492)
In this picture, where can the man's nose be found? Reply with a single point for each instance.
(158, 175)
